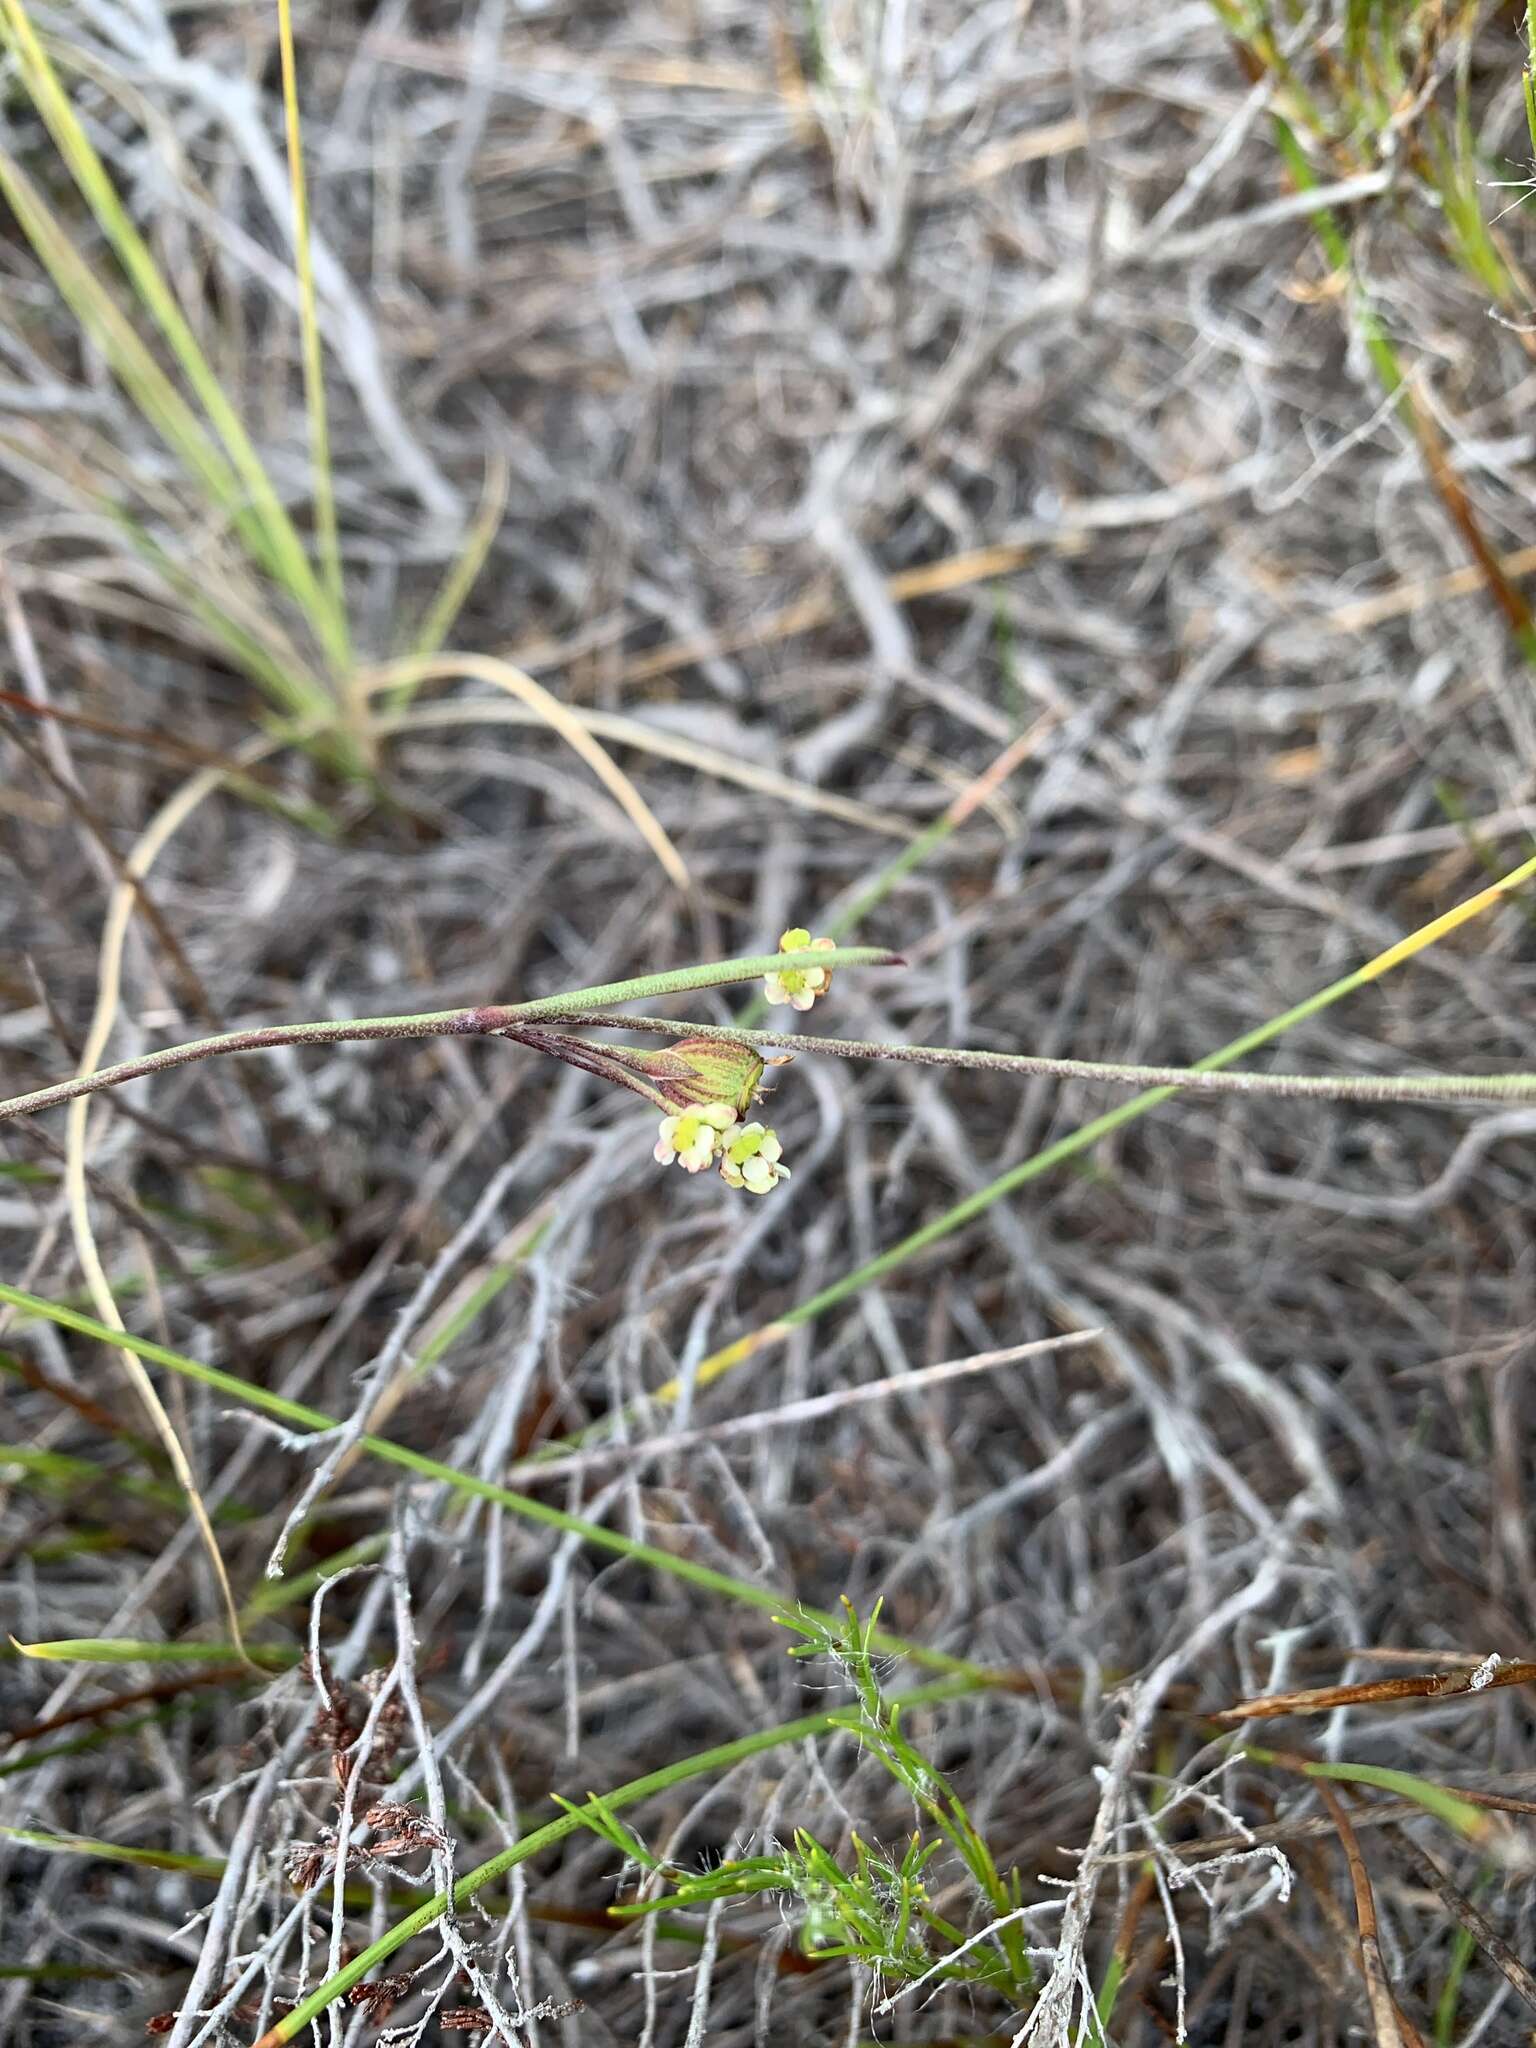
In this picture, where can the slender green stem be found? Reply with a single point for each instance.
(314, 366)
(916, 851)
(721, 1758)
(1324, 1087)
(1460, 208)
(113, 1852)
(212, 1868)
(1079, 1141)
(872, 893)
(1071, 1147)
(589, 1009)
(482, 1021)
(267, 1599)
(1464, 1947)
(438, 620)
(1335, 243)
(765, 1599)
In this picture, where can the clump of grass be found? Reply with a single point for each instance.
(1365, 84)
(224, 547)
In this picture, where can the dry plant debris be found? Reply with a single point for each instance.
(956, 435)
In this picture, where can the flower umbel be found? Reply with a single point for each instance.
(694, 1137)
(799, 986)
(750, 1160)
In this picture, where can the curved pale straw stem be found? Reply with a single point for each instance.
(663, 745)
(153, 841)
(166, 823)
(413, 670)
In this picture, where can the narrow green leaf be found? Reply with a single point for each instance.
(766, 1600)
(123, 1650)
(272, 534)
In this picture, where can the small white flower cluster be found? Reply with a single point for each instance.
(751, 1160)
(693, 1136)
(748, 1155)
(799, 986)
(712, 1134)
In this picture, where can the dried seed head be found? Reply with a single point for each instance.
(306, 1866)
(380, 1995)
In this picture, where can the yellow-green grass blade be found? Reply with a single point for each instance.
(309, 319)
(167, 412)
(127, 1650)
(263, 521)
(765, 1599)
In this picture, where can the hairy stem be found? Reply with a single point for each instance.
(481, 1021)
(1326, 1087)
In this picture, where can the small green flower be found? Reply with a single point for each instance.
(694, 1138)
(799, 986)
(750, 1160)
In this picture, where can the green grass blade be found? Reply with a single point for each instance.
(272, 536)
(167, 412)
(1336, 248)
(275, 1594)
(1463, 1948)
(309, 318)
(463, 573)
(130, 360)
(125, 1650)
(765, 1599)
(703, 1764)
(113, 1852)
(286, 680)
(1467, 1820)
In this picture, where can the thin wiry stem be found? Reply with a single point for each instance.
(481, 1021)
(490, 1020)
(1324, 1087)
